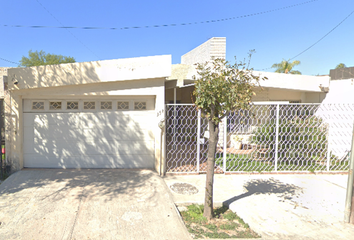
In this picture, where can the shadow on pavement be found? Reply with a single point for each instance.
(90, 183)
(267, 186)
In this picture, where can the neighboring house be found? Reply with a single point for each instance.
(278, 87)
(107, 114)
(3, 95)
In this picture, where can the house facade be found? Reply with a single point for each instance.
(101, 114)
(110, 114)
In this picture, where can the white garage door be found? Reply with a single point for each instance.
(89, 134)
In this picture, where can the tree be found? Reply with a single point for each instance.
(219, 89)
(286, 67)
(341, 65)
(41, 58)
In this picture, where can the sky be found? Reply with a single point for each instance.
(274, 35)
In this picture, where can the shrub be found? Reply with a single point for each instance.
(299, 140)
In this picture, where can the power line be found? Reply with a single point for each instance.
(316, 41)
(163, 25)
(9, 61)
(323, 36)
(67, 29)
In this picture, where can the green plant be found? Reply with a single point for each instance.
(230, 216)
(226, 224)
(229, 226)
(194, 214)
(299, 140)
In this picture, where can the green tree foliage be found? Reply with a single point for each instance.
(286, 67)
(41, 58)
(341, 65)
(219, 89)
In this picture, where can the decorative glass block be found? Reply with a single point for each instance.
(38, 105)
(106, 105)
(123, 105)
(54, 105)
(89, 105)
(72, 105)
(140, 105)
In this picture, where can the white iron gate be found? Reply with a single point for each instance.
(267, 137)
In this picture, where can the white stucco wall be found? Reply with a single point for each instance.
(293, 81)
(90, 72)
(340, 91)
(104, 79)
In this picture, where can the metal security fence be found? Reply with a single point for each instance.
(267, 137)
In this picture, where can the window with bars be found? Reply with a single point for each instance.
(37, 105)
(140, 105)
(106, 105)
(89, 105)
(123, 105)
(54, 105)
(71, 105)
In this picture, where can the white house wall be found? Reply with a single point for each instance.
(90, 72)
(270, 94)
(340, 91)
(57, 82)
(293, 81)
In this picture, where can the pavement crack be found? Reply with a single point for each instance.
(76, 216)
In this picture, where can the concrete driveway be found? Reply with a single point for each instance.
(88, 204)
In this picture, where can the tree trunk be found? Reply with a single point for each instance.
(351, 219)
(213, 140)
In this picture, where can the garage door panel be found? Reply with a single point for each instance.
(74, 148)
(58, 133)
(117, 134)
(89, 139)
(134, 147)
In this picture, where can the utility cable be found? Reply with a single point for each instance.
(9, 61)
(164, 25)
(316, 41)
(67, 29)
(323, 36)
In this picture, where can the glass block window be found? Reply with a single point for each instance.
(123, 105)
(140, 105)
(89, 105)
(72, 105)
(38, 105)
(106, 105)
(54, 105)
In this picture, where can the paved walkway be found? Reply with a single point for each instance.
(88, 204)
(278, 206)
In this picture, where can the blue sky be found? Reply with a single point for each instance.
(275, 36)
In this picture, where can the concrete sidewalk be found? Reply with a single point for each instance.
(278, 206)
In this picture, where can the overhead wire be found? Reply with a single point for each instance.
(162, 25)
(67, 29)
(323, 36)
(317, 40)
(9, 61)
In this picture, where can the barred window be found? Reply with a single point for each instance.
(38, 105)
(54, 105)
(89, 105)
(140, 105)
(123, 105)
(106, 105)
(72, 105)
